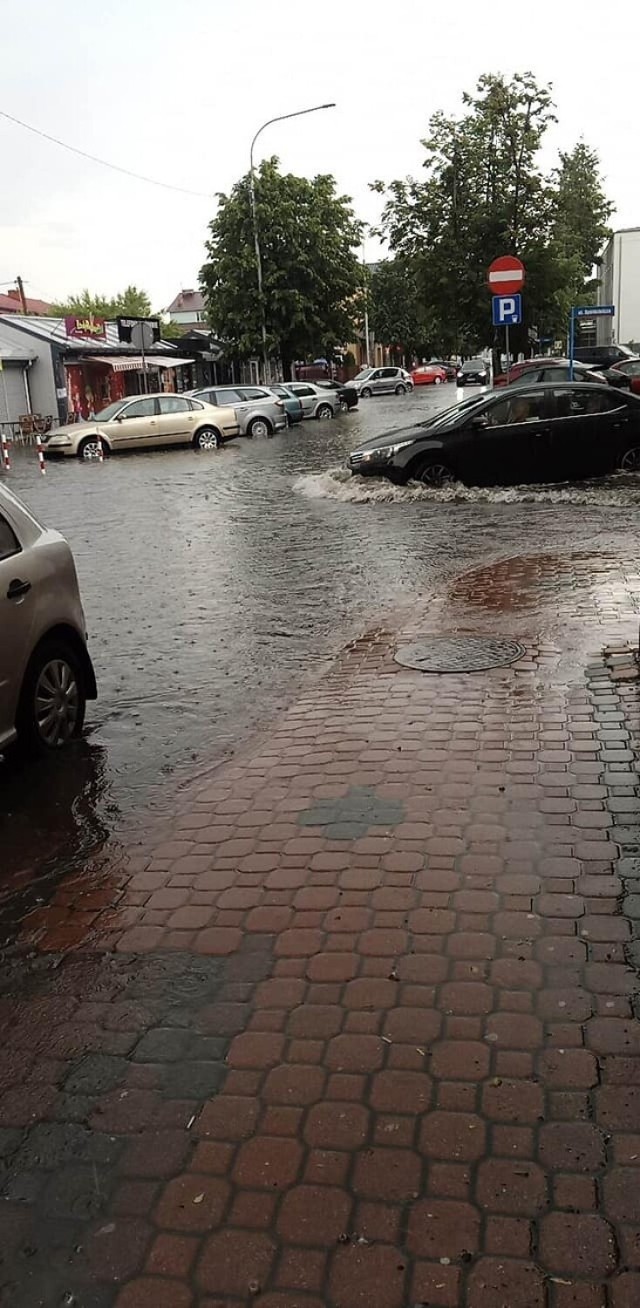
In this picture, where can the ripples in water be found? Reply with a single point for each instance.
(339, 484)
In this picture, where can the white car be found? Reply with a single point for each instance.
(382, 381)
(46, 674)
(315, 400)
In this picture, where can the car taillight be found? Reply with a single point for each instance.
(279, 404)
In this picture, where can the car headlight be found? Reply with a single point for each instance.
(60, 440)
(387, 451)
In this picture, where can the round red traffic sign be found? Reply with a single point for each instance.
(506, 275)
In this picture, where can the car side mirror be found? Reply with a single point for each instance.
(118, 417)
(480, 422)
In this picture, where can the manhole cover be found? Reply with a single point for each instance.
(459, 654)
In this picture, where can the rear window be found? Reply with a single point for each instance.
(576, 403)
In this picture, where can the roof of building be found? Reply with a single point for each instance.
(11, 353)
(53, 331)
(10, 303)
(187, 301)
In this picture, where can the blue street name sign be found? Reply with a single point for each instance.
(585, 311)
(507, 310)
(595, 311)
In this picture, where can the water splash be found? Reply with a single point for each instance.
(339, 484)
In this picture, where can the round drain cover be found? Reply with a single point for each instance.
(459, 654)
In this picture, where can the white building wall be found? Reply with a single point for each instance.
(620, 286)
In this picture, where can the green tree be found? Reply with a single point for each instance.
(131, 302)
(311, 275)
(396, 312)
(484, 194)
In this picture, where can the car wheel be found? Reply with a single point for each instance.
(630, 460)
(259, 427)
(437, 381)
(400, 389)
(324, 411)
(89, 448)
(366, 392)
(344, 407)
(53, 699)
(207, 439)
(432, 472)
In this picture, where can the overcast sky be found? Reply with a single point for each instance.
(176, 91)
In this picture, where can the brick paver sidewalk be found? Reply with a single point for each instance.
(359, 1031)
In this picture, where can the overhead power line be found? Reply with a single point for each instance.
(104, 163)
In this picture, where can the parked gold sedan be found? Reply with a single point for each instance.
(144, 422)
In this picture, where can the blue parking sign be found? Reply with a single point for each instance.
(507, 310)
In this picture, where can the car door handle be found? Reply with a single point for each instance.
(18, 588)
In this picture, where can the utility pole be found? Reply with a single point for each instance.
(23, 301)
(299, 113)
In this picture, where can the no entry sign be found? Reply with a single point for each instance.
(506, 275)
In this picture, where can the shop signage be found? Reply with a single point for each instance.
(86, 327)
(126, 325)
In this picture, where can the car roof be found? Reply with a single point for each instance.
(571, 386)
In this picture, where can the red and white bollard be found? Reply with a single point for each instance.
(40, 450)
(4, 448)
(100, 449)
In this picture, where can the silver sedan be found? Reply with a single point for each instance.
(259, 413)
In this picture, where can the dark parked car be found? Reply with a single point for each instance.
(602, 356)
(524, 434)
(475, 372)
(347, 395)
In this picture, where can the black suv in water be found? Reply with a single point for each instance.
(602, 356)
(532, 433)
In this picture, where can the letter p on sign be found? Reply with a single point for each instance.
(507, 310)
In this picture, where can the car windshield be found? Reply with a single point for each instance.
(110, 412)
(450, 416)
(472, 364)
(366, 372)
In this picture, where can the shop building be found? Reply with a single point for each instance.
(75, 366)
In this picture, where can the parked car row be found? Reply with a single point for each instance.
(526, 433)
(205, 418)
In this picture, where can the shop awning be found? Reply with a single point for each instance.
(135, 363)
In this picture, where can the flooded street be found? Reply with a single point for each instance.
(214, 584)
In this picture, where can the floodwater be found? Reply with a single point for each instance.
(215, 583)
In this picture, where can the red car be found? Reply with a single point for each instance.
(629, 370)
(517, 369)
(429, 374)
(548, 370)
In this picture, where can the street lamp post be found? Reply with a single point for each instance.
(299, 113)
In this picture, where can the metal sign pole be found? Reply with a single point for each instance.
(506, 338)
(572, 341)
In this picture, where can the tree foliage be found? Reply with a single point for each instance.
(483, 194)
(131, 302)
(311, 275)
(396, 311)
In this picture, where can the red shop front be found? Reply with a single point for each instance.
(91, 385)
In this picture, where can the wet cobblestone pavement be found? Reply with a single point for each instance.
(356, 1025)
